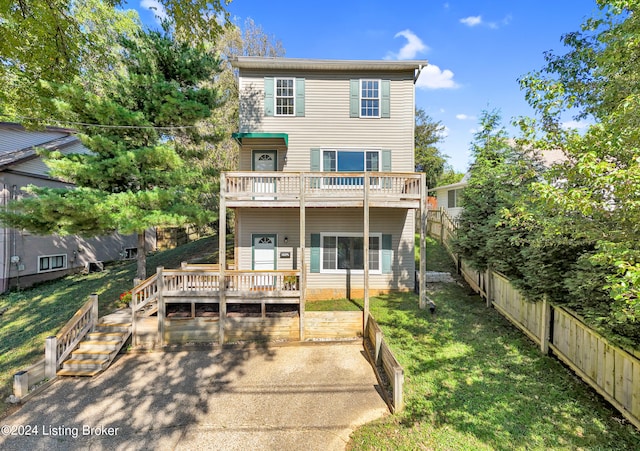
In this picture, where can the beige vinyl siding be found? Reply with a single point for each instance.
(285, 222)
(327, 124)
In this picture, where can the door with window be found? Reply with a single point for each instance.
(264, 161)
(264, 258)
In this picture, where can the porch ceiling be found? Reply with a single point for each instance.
(280, 138)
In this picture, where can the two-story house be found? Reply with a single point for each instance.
(326, 159)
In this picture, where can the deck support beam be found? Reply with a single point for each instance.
(222, 258)
(423, 244)
(365, 243)
(303, 260)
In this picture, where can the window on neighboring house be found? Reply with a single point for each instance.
(454, 198)
(285, 97)
(130, 253)
(346, 252)
(369, 98)
(52, 262)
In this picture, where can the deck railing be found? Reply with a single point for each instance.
(319, 185)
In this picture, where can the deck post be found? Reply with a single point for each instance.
(51, 357)
(222, 259)
(365, 250)
(162, 311)
(423, 244)
(303, 264)
(94, 311)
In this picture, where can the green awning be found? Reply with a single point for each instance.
(241, 137)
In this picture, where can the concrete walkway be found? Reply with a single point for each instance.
(307, 397)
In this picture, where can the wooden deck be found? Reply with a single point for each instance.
(321, 189)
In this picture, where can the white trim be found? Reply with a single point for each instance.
(379, 98)
(63, 267)
(275, 95)
(349, 234)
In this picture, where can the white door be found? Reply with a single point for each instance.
(264, 258)
(264, 161)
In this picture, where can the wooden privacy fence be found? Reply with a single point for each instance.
(612, 371)
(384, 359)
(57, 348)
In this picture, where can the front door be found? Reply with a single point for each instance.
(264, 161)
(264, 258)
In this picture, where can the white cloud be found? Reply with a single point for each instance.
(432, 77)
(471, 21)
(580, 125)
(411, 49)
(465, 117)
(156, 7)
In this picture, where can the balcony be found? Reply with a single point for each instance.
(322, 189)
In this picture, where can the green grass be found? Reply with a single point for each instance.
(36, 313)
(332, 305)
(474, 382)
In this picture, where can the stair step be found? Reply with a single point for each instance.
(92, 354)
(85, 365)
(97, 336)
(109, 345)
(85, 373)
(113, 327)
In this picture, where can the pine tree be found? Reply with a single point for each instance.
(142, 170)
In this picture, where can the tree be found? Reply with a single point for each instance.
(593, 196)
(57, 40)
(428, 158)
(139, 173)
(449, 176)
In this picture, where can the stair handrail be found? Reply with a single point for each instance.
(58, 347)
(144, 293)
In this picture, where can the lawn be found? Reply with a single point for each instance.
(33, 314)
(473, 382)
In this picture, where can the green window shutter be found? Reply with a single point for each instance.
(299, 96)
(385, 101)
(315, 166)
(315, 252)
(387, 254)
(354, 98)
(315, 160)
(268, 96)
(386, 160)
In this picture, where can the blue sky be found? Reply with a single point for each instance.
(476, 49)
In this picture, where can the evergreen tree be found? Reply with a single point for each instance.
(140, 173)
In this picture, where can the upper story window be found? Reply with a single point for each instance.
(369, 98)
(285, 97)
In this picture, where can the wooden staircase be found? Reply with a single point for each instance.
(98, 349)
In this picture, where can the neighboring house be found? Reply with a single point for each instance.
(449, 196)
(26, 258)
(327, 158)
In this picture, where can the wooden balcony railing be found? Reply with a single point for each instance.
(289, 186)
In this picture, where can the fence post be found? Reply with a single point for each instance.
(489, 285)
(545, 326)
(50, 357)
(398, 402)
(21, 384)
